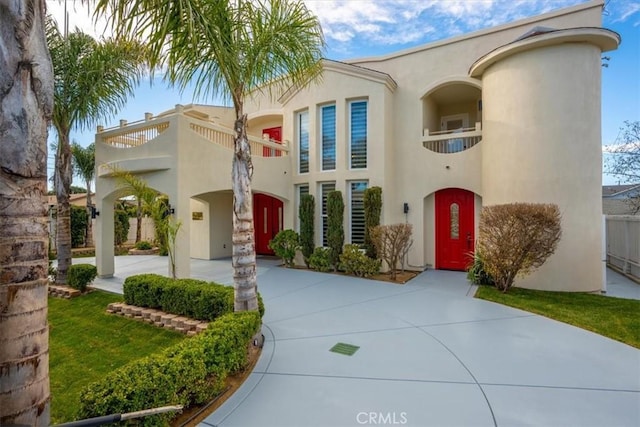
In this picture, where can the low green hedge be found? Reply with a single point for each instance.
(189, 373)
(193, 298)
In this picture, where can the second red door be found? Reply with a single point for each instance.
(454, 228)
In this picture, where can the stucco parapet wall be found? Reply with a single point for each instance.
(139, 165)
(349, 70)
(480, 33)
(605, 39)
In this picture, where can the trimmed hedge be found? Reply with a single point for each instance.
(189, 373)
(80, 275)
(193, 298)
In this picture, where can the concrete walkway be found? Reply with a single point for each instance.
(429, 355)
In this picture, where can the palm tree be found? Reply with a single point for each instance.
(229, 48)
(92, 81)
(84, 164)
(26, 79)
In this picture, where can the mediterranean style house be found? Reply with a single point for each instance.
(506, 114)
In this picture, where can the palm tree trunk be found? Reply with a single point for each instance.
(25, 109)
(139, 220)
(88, 240)
(244, 249)
(63, 184)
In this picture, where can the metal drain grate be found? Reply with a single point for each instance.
(346, 349)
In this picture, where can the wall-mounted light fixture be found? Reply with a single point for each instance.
(94, 212)
(405, 208)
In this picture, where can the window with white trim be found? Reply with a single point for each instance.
(358, 134)
(328, 136)
(325, 189)
(302, 124)
(356, 207)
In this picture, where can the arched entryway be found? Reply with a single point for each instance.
(267, 221)
(455, 236)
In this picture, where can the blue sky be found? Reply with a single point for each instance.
(357, 28)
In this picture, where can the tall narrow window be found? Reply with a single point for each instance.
(301, 190)
(325, 189)
(328, 137)
(303, 141)
(358, 134)
(356, 194)
(454, 217)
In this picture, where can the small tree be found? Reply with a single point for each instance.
(120, 224)
(335, 229)
(517, 238)
(284, 245)
(307, 233)
(372, 210)
(79, 220)
(392, 242)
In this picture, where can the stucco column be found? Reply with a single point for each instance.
(104, 233)
(182, 215)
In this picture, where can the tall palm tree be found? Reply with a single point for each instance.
(26, 103)
(84, 165)
(92, 81)
(229, 48)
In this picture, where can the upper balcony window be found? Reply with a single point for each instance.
(358, 134)
(302, 120)
(328, 136)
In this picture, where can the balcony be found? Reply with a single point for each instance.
(452, 141)
(137, 134)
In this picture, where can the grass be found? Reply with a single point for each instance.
(616, 318)
(86, 343)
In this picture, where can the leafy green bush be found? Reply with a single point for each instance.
(372, 209)
(120, 226)
(284, 245)
(144, 245)
(193, 298)
(307, 236)
(189, 373)
(80, 275)
(79, 219)
(476, 273)
(335, 230)
(354, 261)
(319, 259)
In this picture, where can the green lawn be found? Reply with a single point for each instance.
(616, 318)
(86, 343)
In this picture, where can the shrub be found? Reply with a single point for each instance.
(392, 243)
(193, 298)
(144, 245)
(80, 275)
(189, 373)
(517, 238)
(335, 229)
(79, 219)
(307, 236)
(319, 259)
(372, 210)
(476, 273)
(354, 261)
(284, 245)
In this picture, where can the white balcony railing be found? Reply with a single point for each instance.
(452, 141)
(145, 131)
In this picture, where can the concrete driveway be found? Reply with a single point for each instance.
(429, 355)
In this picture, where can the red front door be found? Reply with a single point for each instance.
(275, 134)
(454, 228)
(267, 221)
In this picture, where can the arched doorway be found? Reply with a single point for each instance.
(267, 221)
(455, 237)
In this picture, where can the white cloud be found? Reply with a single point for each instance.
(622, 11)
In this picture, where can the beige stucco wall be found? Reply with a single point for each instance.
(542, 144)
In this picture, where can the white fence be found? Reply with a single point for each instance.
(623, 243)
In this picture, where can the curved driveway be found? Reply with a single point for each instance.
(429, 355)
